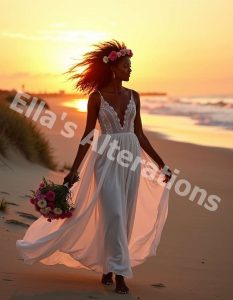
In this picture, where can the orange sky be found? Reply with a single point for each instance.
(180, 47)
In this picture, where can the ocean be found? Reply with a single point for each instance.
(202, 120)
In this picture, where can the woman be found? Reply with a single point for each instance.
(106, 71)
(121, 199)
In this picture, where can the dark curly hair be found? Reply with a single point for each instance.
(97, 74)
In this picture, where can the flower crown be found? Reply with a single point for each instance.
(116, 54)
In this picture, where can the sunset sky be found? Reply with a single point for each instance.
(180, 47)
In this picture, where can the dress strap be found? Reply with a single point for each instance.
(99, 92)
(101, 97)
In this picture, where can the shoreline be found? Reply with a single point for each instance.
(162, 136)
(184, 129)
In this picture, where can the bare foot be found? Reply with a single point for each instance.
(107, 279)
(121, 287)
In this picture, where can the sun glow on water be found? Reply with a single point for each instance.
(79, 104)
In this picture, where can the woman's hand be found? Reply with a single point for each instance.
(168, 174)
(71, 178)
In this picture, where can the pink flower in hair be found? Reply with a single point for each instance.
(129, 52)
(123, 51)
(113, 55)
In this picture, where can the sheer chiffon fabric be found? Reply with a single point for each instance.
(119, 211)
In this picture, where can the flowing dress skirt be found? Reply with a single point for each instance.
(119, 213)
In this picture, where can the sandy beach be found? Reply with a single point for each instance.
(194, 258)
(176, 58)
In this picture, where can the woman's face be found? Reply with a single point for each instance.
(123, 68)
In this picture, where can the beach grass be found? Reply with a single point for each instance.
(3, 205)
(19, 131)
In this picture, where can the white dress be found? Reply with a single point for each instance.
(119, 210)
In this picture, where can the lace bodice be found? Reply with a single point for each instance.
(109, 120)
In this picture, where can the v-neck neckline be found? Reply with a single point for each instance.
(113, 109)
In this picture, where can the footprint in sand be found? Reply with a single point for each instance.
(7, 279)
(26, 215)
(158, 285)
(5, 193)
(12, 203)
(25, 196)
(7, 276)
(16, 222)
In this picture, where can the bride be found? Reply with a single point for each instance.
(121, 199)
(108, 66)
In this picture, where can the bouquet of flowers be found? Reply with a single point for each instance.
(52, 200)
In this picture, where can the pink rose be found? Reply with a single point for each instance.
(129, 52)
(123, 51)
(42, 184)
(50, 195)
(113, 55)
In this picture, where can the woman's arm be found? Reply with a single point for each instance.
(92, 115)
(145, 144)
